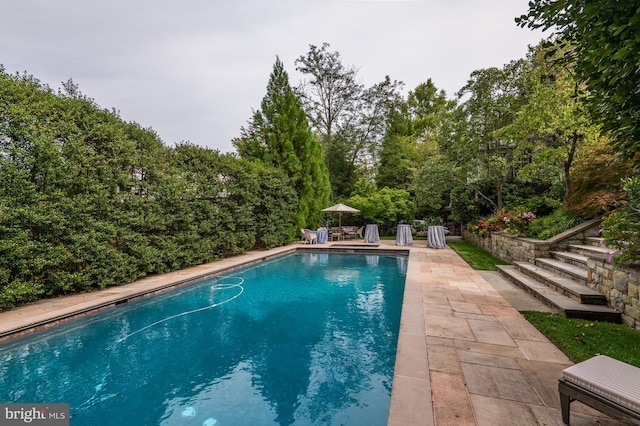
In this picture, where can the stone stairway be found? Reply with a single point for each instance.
(561, 281)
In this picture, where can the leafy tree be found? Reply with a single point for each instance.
(349, 118)
(332, 92)
(469, 202)
(597, 176)
(601, 40)
(429, 109)
(493, 98)
(398, 162)
(550, 129)
(433, 183)
(279, 135)
(386, 206)
(412, 130)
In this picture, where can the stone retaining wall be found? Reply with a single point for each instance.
(508, 247)
(619, 284)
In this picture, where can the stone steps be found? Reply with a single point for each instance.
(566, 272)
(594, 241)
(571, 258)
(560, 302)
(596, 252)
(578, 292)
(563, 269)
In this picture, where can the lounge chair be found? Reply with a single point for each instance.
(605, 384)
(308, 236)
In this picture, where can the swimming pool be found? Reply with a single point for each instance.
(305, 339)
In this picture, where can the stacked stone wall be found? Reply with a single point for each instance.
(508, 247)
(620, 285)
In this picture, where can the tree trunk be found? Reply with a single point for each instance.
(573, 145)
(499, 199)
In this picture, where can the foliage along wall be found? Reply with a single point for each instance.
(88, 201)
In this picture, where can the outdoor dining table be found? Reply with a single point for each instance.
(371, 234)
(322, 236)
(436, 238)
(403, 235)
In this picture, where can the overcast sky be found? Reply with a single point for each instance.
(193, 70)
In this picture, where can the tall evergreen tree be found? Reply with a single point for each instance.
(279, 134)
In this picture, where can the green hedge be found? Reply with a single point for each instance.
(89, 201)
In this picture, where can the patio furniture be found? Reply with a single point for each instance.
(605, 384)
(403, 235)
(308, 236)
(436, 238)
(360, 231)
(371, 233)
(335, 233)
(349, 232)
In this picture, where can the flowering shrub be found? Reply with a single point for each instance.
(482, 228)
(506, 218)
(513, 222)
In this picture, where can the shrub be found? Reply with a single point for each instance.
(597, 175)
(621, 229)
(541, 205)
(19, 292)
(483, 227)
(548, 226)
(515, 221)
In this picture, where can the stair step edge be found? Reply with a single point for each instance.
(566, 283)
(564, 267)
(573, 256)
(594, 249)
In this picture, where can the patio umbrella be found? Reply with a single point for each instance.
(340, 208)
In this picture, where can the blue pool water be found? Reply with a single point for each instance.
(306, 339)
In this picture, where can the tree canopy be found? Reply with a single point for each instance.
(350, 118)
(601, 41)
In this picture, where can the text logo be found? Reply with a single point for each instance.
(34, 414)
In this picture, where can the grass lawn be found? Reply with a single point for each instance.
(578, 339)
(475, 257)
(581, 339)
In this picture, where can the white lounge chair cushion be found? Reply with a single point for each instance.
(612, 379)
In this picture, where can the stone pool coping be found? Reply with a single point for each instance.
(465, 355)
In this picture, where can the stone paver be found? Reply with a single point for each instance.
(448, 406)
(487, 364)
(465, 354)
